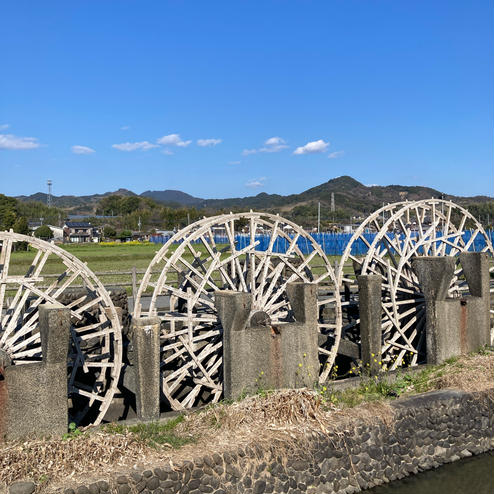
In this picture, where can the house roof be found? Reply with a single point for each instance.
(78, 224)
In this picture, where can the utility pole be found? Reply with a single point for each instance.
(318, 217)
(139, 224)
(332, 202)
(49, 199)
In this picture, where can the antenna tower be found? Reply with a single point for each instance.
(49, 198)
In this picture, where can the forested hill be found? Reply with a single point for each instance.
(351, 197)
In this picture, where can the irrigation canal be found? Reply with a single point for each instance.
(474, 475)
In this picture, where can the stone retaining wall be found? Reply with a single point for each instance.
(426, 431)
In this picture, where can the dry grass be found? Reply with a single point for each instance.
(468, 373)
(282, 420)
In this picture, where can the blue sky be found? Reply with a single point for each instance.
(233, 98)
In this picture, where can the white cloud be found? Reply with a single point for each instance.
(271, 145)
(208, 142)
(234, 162)
(167, 152)
(256, 182)
(173, 140)
(82, 150)
(4, 126)
(10, 141)
(134, 146)
(125, 127)
(336, 154)
(312, 147)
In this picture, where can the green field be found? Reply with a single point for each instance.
(112, 263)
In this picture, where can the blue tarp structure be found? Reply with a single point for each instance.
(333, 244)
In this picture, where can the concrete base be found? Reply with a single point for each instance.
(454, 326)
(35, 394)
(370, 310)
(147, 377)
(37, 400)
(268, 357)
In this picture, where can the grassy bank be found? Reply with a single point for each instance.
(268, 416)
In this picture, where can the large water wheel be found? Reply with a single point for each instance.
(193, 265)
(33, 272)
(430, 227)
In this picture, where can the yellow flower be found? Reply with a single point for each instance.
(300, 365)
(305, 355)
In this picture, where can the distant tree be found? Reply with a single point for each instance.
(110, 205)
(43, 232)
(125, 234)
(21, 225)
(109, 232)
(129, 204)
(8, 212)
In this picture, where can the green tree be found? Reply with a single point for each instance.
(129, 204)
(109, 232)
(43, 232)
(8, 212)
(21, 225)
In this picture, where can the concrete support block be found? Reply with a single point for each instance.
(435, 275)
(443, 335)
(299, 340)
(475, 328)
(36, 393)
(370, 309)
(37, 400)
(234, 309)
(146, 342)
(454, 326)
(54, 328)
(475, 267)
(303, 298)
(257, 354)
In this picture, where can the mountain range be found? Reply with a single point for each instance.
(350, 196)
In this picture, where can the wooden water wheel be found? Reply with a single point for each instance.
(33, 272)
(431, 227)
(213, 255)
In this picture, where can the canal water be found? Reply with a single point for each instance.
(473, 475)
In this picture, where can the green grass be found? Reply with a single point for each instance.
(102, 258)
(153, 434)
(120, 257)
(385, 386)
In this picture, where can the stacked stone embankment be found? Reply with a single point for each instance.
(420, 433)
